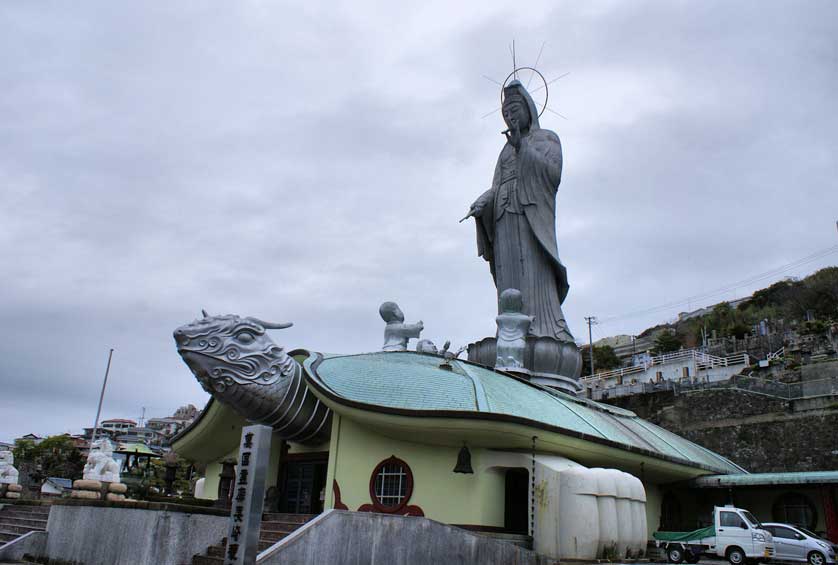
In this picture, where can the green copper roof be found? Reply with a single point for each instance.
(760, 479)
(415, 382)
(138, 448)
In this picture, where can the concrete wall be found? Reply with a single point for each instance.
(94, 535)
(361, 538)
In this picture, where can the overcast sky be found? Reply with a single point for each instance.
(305, 164)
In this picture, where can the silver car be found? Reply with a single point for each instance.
(793, 543)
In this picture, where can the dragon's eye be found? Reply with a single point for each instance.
(245, 337)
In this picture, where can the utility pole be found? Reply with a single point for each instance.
(142, 418)
(591, 320)
(101, 397)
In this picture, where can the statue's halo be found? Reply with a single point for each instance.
(543, 80)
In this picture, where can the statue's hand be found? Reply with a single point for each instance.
(479, 205)
(513, 136)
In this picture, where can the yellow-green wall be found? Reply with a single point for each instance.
(475, 499)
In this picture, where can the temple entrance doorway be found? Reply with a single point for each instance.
(516, 501)
(302, 483)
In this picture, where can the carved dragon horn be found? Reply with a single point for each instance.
(271, 325)
(204, 312)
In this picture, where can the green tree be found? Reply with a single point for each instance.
(182, 484)
(604, 359)
(56, 456)
(666, 342)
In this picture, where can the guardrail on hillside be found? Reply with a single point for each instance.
(703, 361)
(777, 389)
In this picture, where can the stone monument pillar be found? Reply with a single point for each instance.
(248, 496)
(516, 234)
(10, 488)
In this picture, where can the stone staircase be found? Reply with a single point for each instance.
(19, 519)
(275, 526)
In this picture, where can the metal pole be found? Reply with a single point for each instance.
(591, 320)
(102, 396)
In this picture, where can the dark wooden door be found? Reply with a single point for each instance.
(516, 501)
(303, 483)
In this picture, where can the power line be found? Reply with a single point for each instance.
(726, 288)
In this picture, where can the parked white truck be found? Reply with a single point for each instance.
(735, 535)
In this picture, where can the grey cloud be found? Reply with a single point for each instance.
(308, 163)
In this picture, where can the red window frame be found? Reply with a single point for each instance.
(408, 489)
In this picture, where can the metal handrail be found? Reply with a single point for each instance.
(703, 360)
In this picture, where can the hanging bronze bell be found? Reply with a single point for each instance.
(464, 462)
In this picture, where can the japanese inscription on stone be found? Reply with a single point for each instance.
(249, 496)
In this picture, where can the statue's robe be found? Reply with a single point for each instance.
(516, 231)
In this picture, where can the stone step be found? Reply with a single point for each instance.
(33, 508)
(207, 560)
(275, 526)
(22, 521)
(6, 537)
(15, 528)
(284, 517)
(286, 527)
(272, 537)
(216, 550)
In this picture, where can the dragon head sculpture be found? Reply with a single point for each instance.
(226, 350)
(238, 363)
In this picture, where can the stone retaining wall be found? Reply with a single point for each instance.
(761, 433)
(130, 533)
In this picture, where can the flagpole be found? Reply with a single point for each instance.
(101, 397)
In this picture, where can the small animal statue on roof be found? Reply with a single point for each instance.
(513, 326)
(397, 333)
(448, 353)
(8, 474)
(101, 465)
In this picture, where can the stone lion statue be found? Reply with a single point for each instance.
(8, 473)
(101, 465)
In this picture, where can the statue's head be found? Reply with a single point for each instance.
(226, 350)
(511, 301)
(6, 458)
(426, 346)
(518, 107)
(104, 445)
(390, 312)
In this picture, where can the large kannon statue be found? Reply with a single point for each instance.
(516, 234)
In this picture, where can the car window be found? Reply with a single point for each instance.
(770, 529)
(730, 520)
(751, 518)
(810, 534)
(781, 532)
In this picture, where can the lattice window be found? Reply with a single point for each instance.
(392, 484)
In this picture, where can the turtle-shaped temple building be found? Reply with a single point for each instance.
(409, 433)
